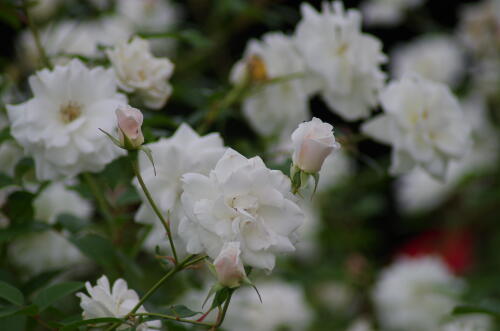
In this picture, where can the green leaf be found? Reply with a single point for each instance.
(11, 294)
(181, 311)
(149, 154)
(51, 294)
(6, 180)
(462, 310)
(96, 248)
(220, 297)
(18, 207)
(14, 311)
(71, 223)
(92, 321)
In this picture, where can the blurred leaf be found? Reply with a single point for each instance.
(462, 310)
(5, 134)
(22, 229)
(96, 248)
(9, 15)
(11, 294)
(105, 320)
(128, 197)
(181, 311)
(12, 311)
(5, 180)
(13, 323)
(71, 223)
(19, 208)
(39, 281)
(51, 294)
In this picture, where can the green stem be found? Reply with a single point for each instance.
(36, 36)
(174, 318)
(180, 266)
(153, 204)
(224, 311)
(231, 97)
(101, 200)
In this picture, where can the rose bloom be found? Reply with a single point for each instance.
(59, 126)
(139, 71)
(313, 141)
(424, 123)
(240, 200)
(344, 61)
(117, 301)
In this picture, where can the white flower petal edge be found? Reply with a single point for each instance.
(184, 152)
(117, 301)
(423, 122)
(345, 61)
(240, 200)
(59, 126)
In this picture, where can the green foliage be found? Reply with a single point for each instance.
(51, 294)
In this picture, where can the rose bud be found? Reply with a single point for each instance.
(229, 268)
(129, 125)
(312, 142)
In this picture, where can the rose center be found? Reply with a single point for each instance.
(70, 112)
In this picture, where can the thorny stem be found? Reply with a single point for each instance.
(36, 36)
(157, 211)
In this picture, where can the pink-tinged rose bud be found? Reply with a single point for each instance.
(313, 141)
(129, 124)
(230, 270)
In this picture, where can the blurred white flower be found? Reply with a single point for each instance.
(230, 270)
(117, 301)
(415, 294)
(418, 191)
(336, 296)
(313, 142)
(71, 37)
(279, 106)
(184, 152)
(471, 322)
(59, 126)
(345, 61)
(438, 58)
(129, 124)
(307, 245)
(283, 306)
(387, 12)
(479, 28)
(361, 324)
(48, 250)
(149, 15)
(424, 123)
(240, 200)
(139, 71)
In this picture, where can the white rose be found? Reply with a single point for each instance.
(117, 301)
(277, 107)
(230, 270)
(423, 122)
(59, 126)
(240, 200)
(415, 294)
(139, 71)
(185, 151)
(345, 61)
(313, 141)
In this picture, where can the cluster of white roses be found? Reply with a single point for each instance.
(219, 203)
